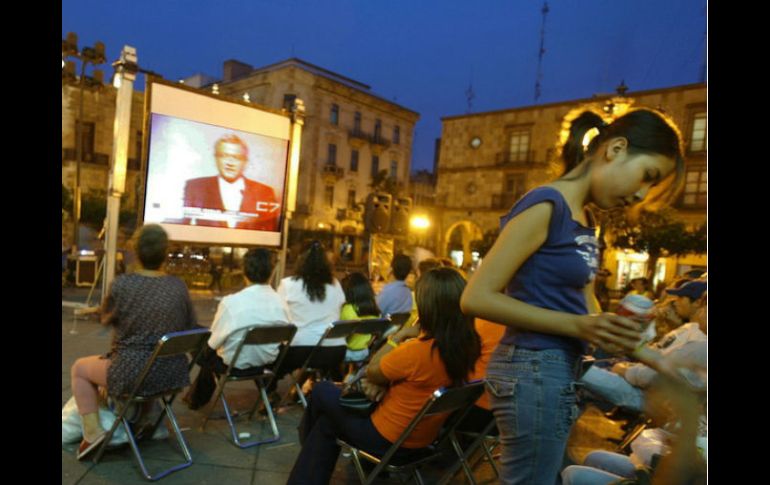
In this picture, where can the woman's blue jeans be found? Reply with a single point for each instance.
(532, 393)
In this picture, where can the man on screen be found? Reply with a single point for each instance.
(243, 203)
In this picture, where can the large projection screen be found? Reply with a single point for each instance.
(216, 169)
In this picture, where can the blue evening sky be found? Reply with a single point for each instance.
(421, 54)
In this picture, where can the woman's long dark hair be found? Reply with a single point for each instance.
(647, 131)
(438, 294)
(314, 270)
(359, 293)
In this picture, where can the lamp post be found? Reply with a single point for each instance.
(88, 55)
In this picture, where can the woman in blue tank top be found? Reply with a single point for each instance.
(538, 281)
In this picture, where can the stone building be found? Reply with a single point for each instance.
(488, 160)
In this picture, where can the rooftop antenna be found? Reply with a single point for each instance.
(469, 94)
(541, 52)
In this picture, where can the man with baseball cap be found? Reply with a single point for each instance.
(684, 346)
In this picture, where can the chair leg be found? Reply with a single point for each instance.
(219, 391)
(248, 444)
(463, 456)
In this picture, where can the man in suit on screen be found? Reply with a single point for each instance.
(230, 199)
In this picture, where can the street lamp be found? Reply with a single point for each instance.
(88, 55)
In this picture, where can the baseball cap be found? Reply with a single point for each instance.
(691, 289)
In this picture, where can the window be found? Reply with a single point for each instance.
(288, 101)
(393, 168)
(375, 165)
(396, 135)
(519, 146)
(357, 122)
(329, 195)
(332, 156)
(698, 140)
(695, 187)
(351, 199)
(354, 161)
(334, 115)
(377, 129)
(87, 140)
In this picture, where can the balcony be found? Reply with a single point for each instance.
(518, 160)
(358, 138)
(348, 214)
(504, 201)
(332, 173)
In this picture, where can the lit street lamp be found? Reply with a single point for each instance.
(88, 55)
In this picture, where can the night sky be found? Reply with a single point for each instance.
(421, 54)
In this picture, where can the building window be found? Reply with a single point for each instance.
(377, 129)
(332, 156)
(393, 169)
(329, 196)
(288, 101)
(519, 146)
(357, 122)
(351, 199)
(396, 135)
(698, 140)
(695, 187)
(87, 140)
(334, 115)
(354, 161)
(375, 165)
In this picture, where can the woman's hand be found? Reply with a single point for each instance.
(406, 333)
(613, 333)
(372, 391)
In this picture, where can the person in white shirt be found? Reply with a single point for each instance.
(314, 299)
(257, 304)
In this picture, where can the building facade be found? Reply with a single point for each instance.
(350, 134)
(488, 160)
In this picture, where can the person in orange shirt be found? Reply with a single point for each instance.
(401, 376)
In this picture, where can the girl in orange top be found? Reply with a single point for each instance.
(402, 376)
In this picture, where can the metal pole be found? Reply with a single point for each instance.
(125, 73)
(290, 190)
(78, 159)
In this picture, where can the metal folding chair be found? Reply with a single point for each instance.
(445, 400)
(487, 439)
(171, 344)
(338, 329)
(262, 375)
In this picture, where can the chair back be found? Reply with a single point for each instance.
(262, 335)
(399, 319)
(373, 325)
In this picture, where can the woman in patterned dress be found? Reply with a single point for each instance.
(141, 307)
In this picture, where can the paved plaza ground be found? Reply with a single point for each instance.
(216, 459)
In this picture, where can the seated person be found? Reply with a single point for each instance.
(257, 304)
(423, 266)
(684, 454)
(396, 297)
(141, 307)
(682, 347)
(480, 414)
(314, 299)
(359, 303)
(401, 376)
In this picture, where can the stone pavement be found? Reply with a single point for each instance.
(216, 460)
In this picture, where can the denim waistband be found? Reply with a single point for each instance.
(513, 354)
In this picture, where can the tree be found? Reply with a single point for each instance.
(383, 182)
(658, 234)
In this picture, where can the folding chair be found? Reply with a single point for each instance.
(377, 328)
(444, 400)
(262, 375)
(338, 329)
(487, 439)
(397, 320)
(171, 344)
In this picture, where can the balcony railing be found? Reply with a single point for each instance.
(330, 170)
(526, 159)
(346, 213)
(504, 200)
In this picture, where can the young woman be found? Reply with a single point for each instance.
(444, 353)
(141, 307)
(359, 303)
(314, 299)
(538, 280)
